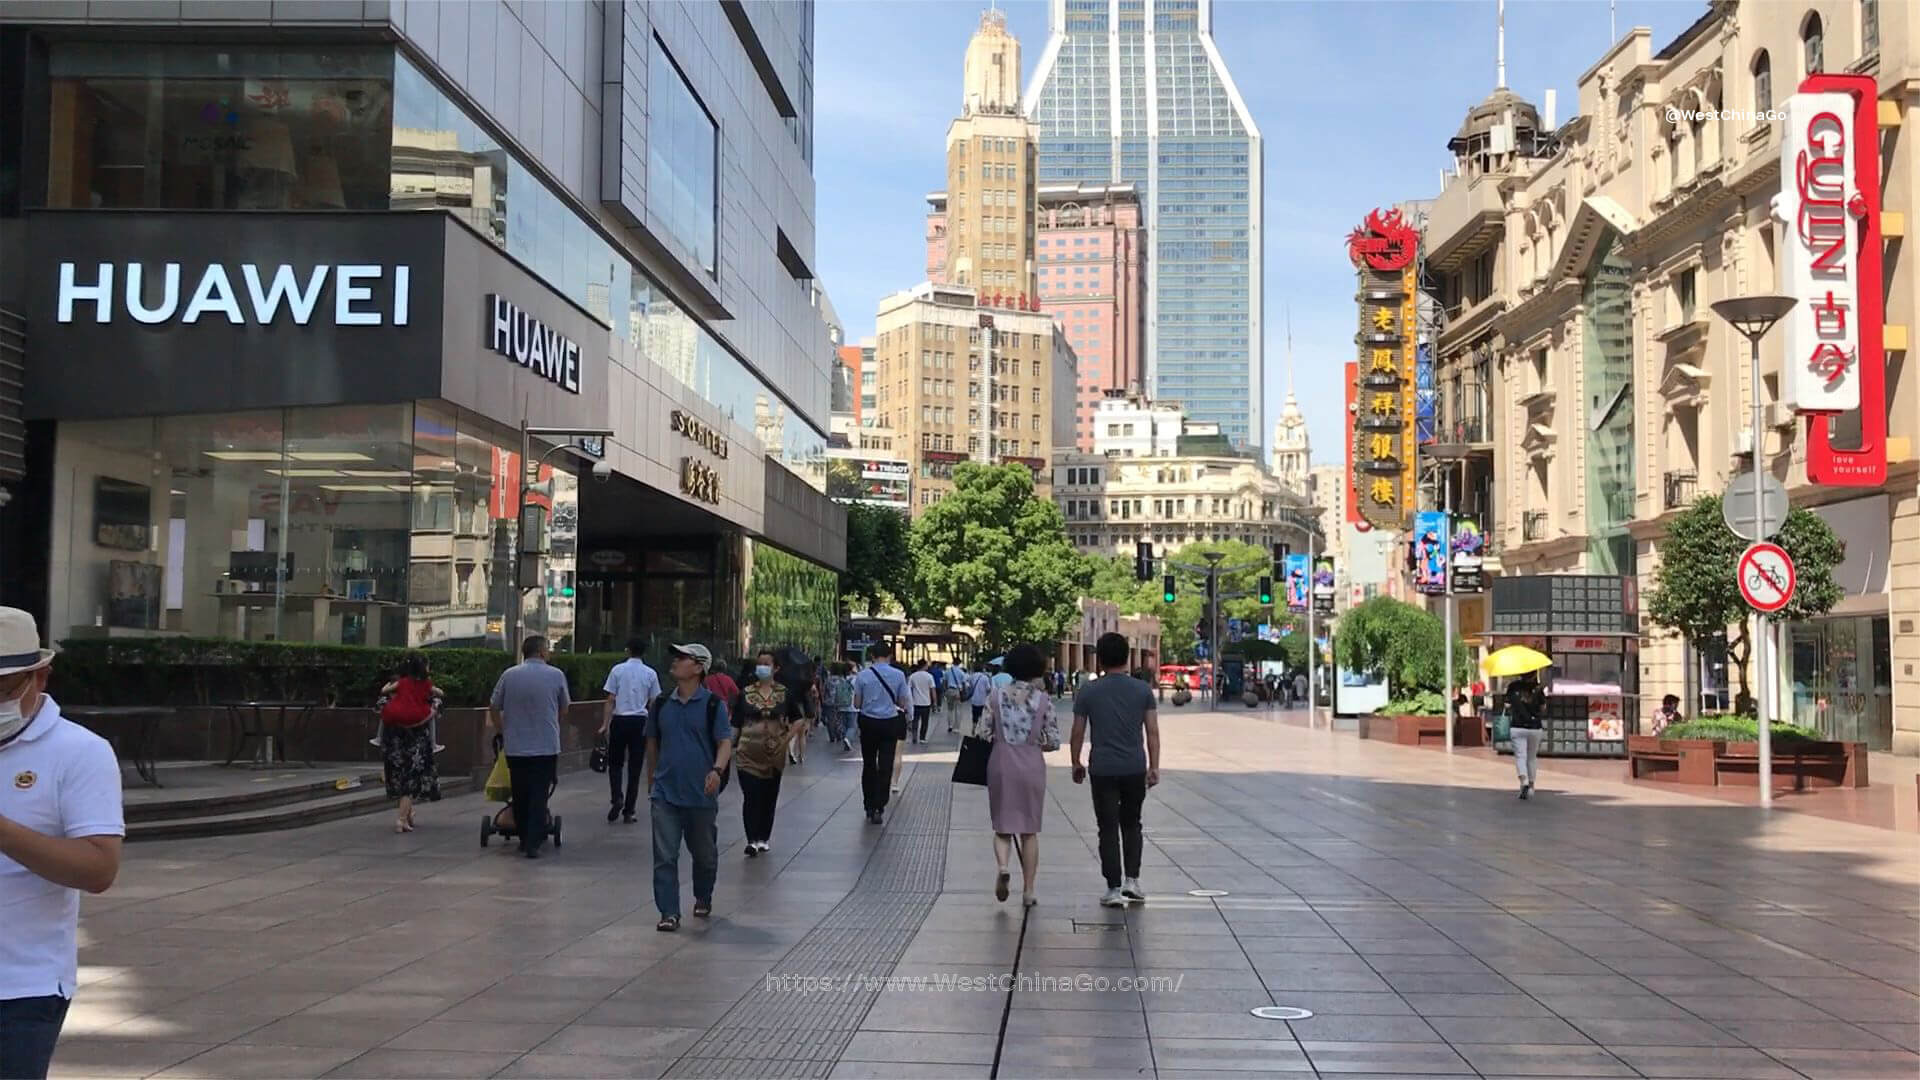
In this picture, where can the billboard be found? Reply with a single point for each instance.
(872, 481)
(1386, 406)
(1430, 552)
(1297, 588)
(1323, 584)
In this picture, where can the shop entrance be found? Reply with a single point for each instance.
(1843, 679)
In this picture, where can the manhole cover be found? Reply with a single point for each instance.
(1282, 1012)
(1206, 892)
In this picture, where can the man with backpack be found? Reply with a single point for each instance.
(689, 748)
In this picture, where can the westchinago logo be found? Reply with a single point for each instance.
(1742, 118)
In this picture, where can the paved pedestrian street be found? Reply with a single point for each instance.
(1432, 924)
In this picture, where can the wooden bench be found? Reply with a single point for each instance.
(1712, 762)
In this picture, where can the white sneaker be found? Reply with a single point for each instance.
(375, 741)
(1130, 889)
(1113, 898)
(764, 847)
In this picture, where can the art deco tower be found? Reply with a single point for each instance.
(990, 174)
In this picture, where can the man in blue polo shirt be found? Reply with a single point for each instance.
(689, 746)
(880, 697)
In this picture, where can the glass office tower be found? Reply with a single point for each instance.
(1135, 90)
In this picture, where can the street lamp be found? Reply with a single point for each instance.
(1753, 316)
(529, 473)
(1447, 456)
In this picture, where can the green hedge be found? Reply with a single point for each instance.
(1731, 728)
(205, 671)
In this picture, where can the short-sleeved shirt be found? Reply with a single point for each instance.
(1116, 707)
(921, 684)
(59, 779)
(978, 687)
(531, 697)
(688, 748)
(633, 685)
(881, 696)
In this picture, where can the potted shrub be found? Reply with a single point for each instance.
(1407, 644)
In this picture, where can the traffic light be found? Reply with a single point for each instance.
(1166, 589)
(1143, 561)
(1279, 561)
(1266, 590)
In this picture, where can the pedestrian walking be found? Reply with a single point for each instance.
(880, 697)
(721, 683)
(978, 687)
(767, 718)
(631, 687)
(1022, 728)
(838, 710)
(1525, 703)
(61, 826)
(1118, 715)
(409, 705)
(1301, 689)
(528, 701)
(921, 684)
(689, 749)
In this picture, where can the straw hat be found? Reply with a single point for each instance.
(20, 643)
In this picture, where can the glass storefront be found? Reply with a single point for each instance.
(665, 591)
(1842, 674)
(1606, 410)
(355, 525)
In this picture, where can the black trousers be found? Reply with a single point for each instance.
(922, 715)
(626, 753)
(533, 779)
(877, 744)
(758, 797)
(1116, 809)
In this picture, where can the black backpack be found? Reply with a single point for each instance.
(713, 748)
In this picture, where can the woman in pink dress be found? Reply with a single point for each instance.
(1022, 727)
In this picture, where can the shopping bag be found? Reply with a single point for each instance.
(971, 768)
(1503, 726)
(499, 784)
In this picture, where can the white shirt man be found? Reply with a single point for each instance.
(61, 826)
(921, 683)
(631, 689)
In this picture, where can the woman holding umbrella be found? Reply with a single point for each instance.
(1525, 706)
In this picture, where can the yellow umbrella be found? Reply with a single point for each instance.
(1514, 660)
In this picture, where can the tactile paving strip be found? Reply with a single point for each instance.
(801, 1031)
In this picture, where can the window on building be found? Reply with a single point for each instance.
(1762, 81)
(1683, 294)
(683, 159)
(1813, 44)
(1869, 27)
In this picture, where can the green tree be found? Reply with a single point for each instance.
(1404, 642)
(999, 557)
(879, 559)
(1695, 592)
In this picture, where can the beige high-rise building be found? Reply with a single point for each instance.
(991, 152)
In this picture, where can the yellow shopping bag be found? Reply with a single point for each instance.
(499, 784)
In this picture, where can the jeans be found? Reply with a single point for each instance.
(922, 714)
(626, 752)
(1526, 752)
(533, 779)
(758, 797)
(29, 1028)
(1116, 809)
(877, 744)
(699, 827)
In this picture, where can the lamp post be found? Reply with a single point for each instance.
(1753, 316)
(529, 473)
(1447, 456)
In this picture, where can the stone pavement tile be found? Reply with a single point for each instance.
(1287, 977)
(1680, 987)
(1077, 1000)
(1254, 1072)
(1337, 962)
(1427, 982)
(1230, 1055)
(1431, 944)
(1667, 965)
(593, 988)
(421, 1064)
(1851, 1064)
(489, 1037)
(495, 1005)
(1256, 942)
(95, 1056)
(643, 1042)
(1905, 1036)
(1393, 964)
(1074, 1051)
(1882, 1009)
(1816, 988)
(1239, 1025)
(1498, 1005)
(1343, 1003)
(978, 1014)
(212, 1026)
(435, 982)
(539, 1066)
(330, 1031)
(1580, 985)
(1523, 1059)
(1213, 1001)
(655, 1012)
(1151, 955)
(1541, 963)
(1101, 1023)
(1394, 1029)
(1063, 961)
(375, 1005)
(1360, 1057)
(931, 1048)
(1143, 1069)
(1803, 1035)
(1773, 1007)
(880, 1070)
(1535, 1030)
(238, 1062)
(1700, 1063)
(1672, 1031)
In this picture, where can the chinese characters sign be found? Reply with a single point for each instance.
(1820, 255)
(1385, 402)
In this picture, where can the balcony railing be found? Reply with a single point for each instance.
(1680, 486)
(1534, 525)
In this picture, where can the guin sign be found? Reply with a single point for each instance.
(1819, 203)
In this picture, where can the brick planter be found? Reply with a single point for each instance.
(1405, 730)
(1707, 762)
(1675, 761)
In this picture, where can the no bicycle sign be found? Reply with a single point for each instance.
(1766, 577)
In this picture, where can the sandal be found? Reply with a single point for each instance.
(1000, 887)
(703, 909)
(667, 924)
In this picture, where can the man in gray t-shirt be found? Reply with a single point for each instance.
(526, 708)
(1121, 712)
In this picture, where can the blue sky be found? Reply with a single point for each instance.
(1356, 100)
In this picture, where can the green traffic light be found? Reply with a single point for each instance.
(567, 592)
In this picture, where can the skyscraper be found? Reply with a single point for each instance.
(1135, 91)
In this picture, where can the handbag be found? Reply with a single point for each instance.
(1503, 726)
(971, 767)
(499, 786)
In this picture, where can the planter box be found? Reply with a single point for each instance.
(1709, 762)
(1405, 730)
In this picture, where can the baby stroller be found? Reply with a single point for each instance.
(500, 789)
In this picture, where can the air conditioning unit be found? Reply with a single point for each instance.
(1743, 443)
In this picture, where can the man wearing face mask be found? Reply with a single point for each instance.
(60, 832)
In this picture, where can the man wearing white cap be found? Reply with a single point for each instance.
(689, 748)
(60, 832)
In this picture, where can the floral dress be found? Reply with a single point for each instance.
(407, 754)
(1021, 723)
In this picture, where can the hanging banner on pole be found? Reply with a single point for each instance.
(1323, 584)
(1297, 583)
(1430, 552)
(1469, 551)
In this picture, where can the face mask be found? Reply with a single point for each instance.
(12, 720)
(763, 672)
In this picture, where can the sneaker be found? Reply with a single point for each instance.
(1524, 789)
(613, 815)
(895, 789)
(439, 748)
(375, 741)
(752, 849)
(846, 744)
(1113, 898)
(765, 846)
(1130, 889)
(628, 819)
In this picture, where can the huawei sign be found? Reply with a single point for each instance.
(1385, 241)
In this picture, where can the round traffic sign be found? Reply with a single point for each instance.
(1766, 577)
